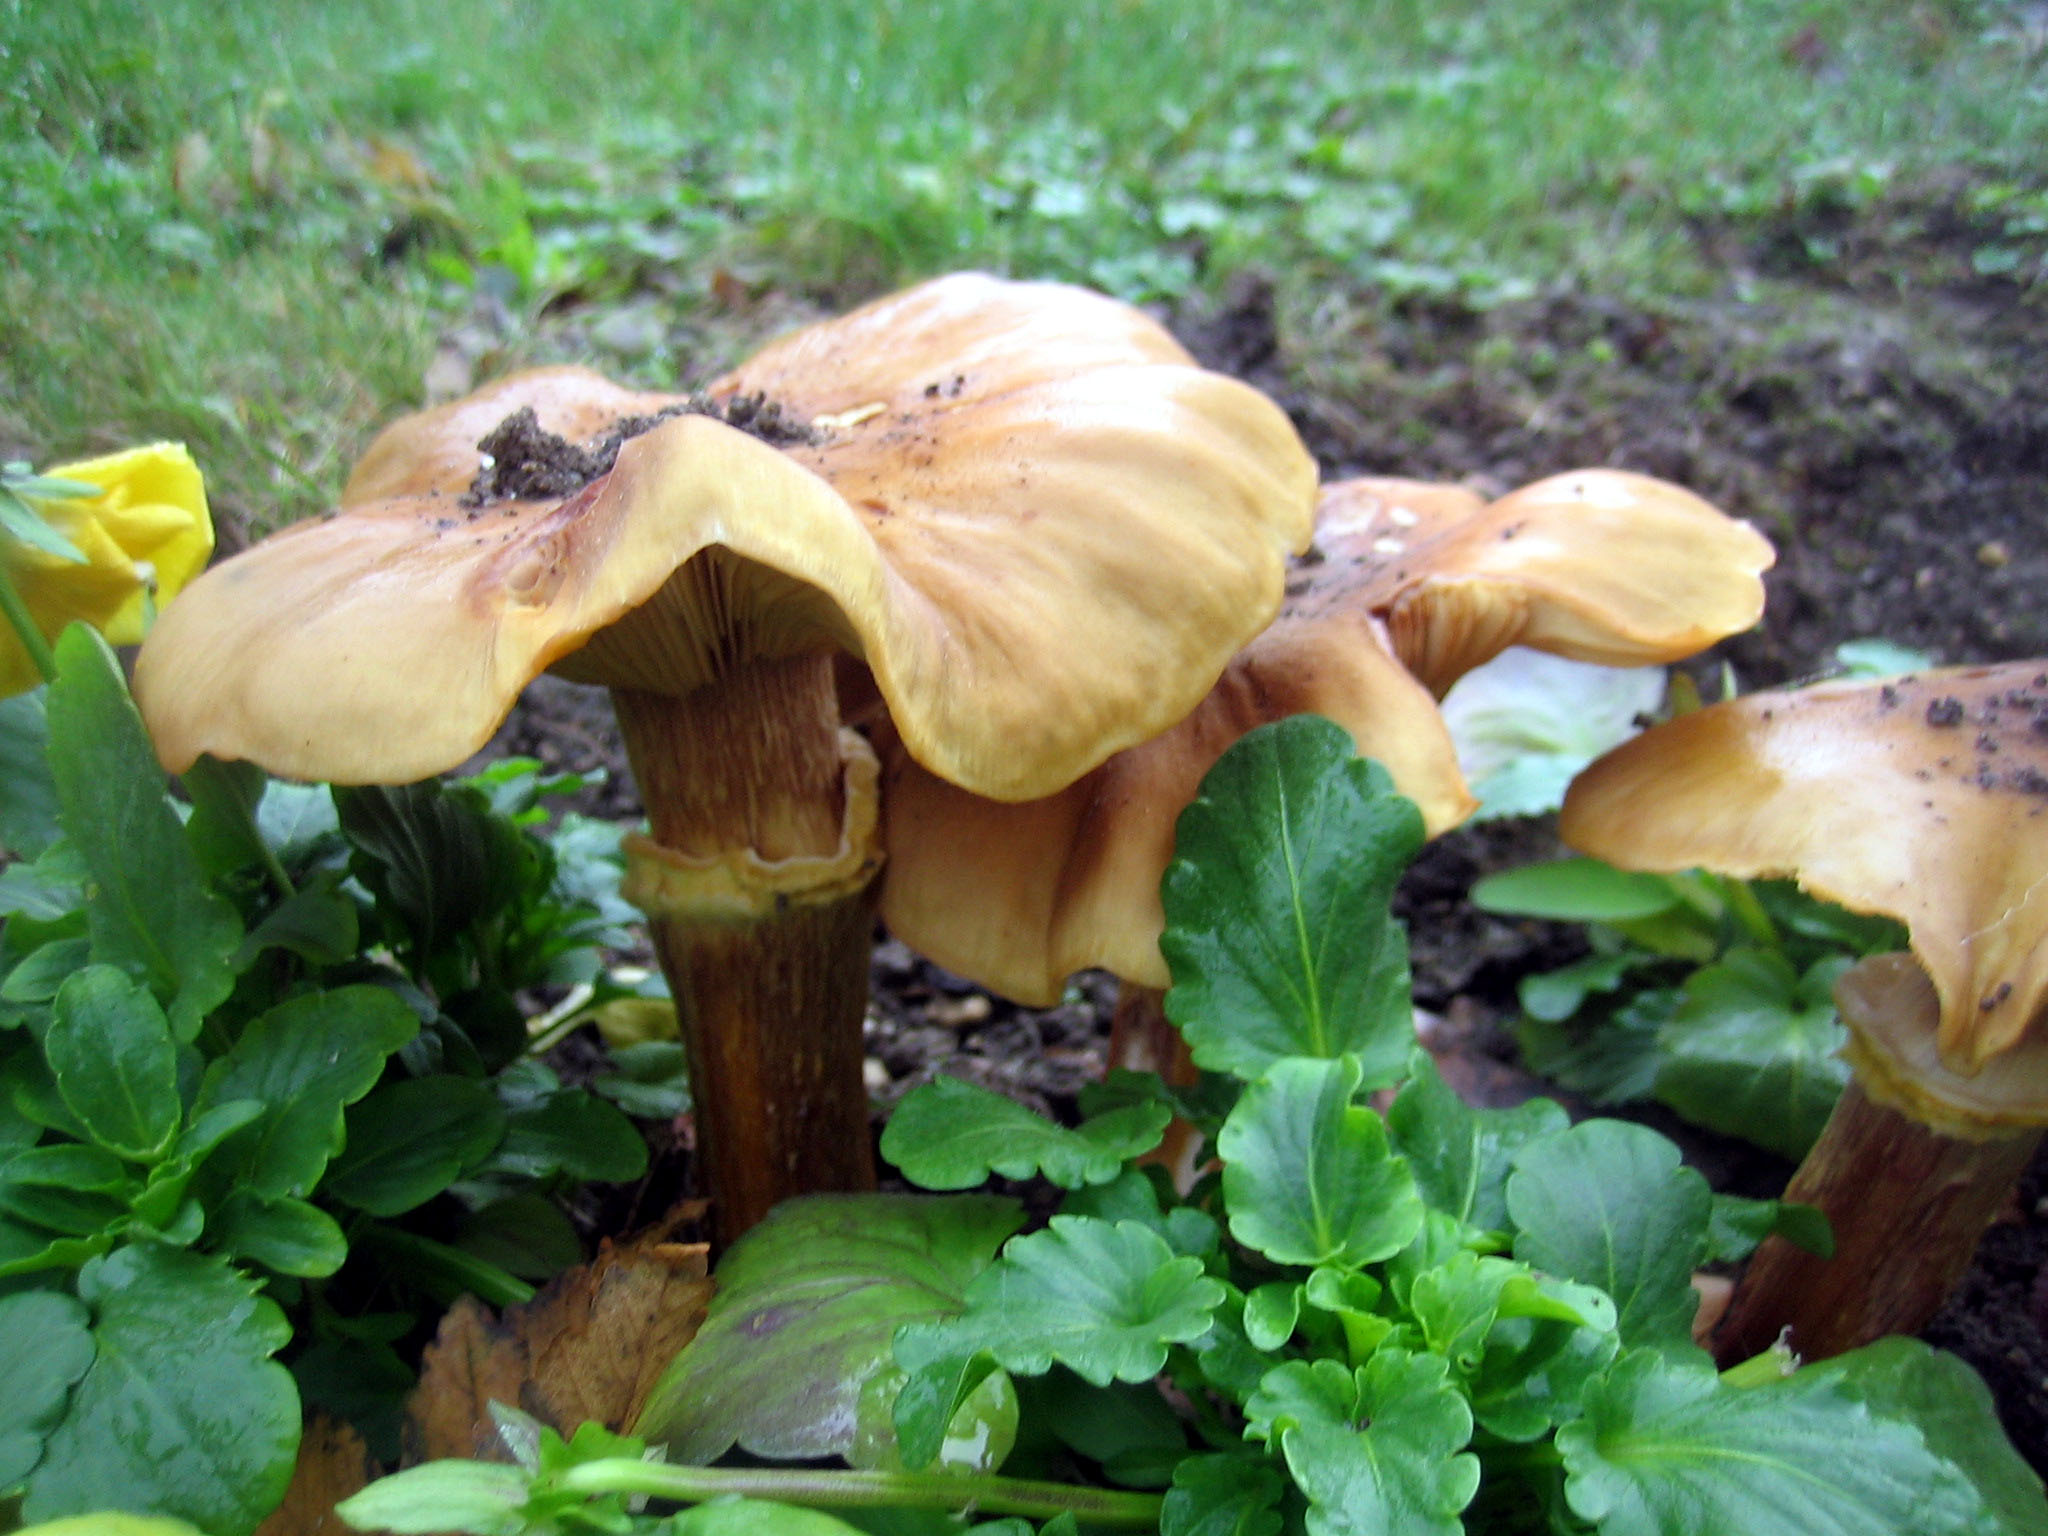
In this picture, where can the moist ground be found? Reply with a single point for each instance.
(1883, 418)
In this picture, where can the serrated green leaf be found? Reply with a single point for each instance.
(950, 1134)
(1103, 1299)
(406, 1141)
(483, 1498)
(1379, 1451)
(1308, 1176)
(1222, 1496)
(1753, 1049)
(110, 1049)
(1133, 1195)
(305, 1061)
(806, 1308)
(287, 1236)
(1608, 1204)
(46, 1340)
(1277, 927)
(1460, 1155)
(151, 912)
(1904, 1381)
(28, 793)
(1532, 1374)
(182, 1412)
(1668, 1447)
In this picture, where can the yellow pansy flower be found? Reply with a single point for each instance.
(148, 524)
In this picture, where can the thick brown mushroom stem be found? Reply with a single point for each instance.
(759, 886)
(1908, 1206)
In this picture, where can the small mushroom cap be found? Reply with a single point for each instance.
(1038, 524)
(1924, 798)
(1405, 588)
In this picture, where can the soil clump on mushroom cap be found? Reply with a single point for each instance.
(524, 460)
(1884, 419)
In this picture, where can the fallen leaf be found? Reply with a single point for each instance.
(332, 1464)
(589, 1347)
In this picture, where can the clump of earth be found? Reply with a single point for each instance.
(1884, 419)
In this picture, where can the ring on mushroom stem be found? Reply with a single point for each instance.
(1925, 799)
(1406, 587)
(956, 502)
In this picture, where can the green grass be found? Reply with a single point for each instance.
(248, 226)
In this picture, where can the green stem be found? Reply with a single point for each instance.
(24, 627)
(871, 1490)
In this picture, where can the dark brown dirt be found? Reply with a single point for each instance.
(1885, 421)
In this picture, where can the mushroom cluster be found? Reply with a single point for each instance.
(1406, 587)
(1925, 799)
(1014, 519)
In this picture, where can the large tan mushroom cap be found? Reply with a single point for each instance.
(1923, 798)
(1042, 528)
(1406, 587)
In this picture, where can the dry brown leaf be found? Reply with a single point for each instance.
(589, 1347)
(332, 1464)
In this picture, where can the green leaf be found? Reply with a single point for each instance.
(1277, 928)
(1556, 995)
(20, 521)
(1461, 1155)
(1609, 1053)
(409, 1140)
(1904, 1381)
(1532, 1374)
(524, 1234)
(1667, 1447)
(806, 1308)
(151, 912)
(289, 1237)
(183, 1412)
(1222, 1496)
(1753, 1049)
(305, 1061)
(1575, 891)
(758, 1517)
(570, 1132)
(110, 1049)
(1102, 1298)
(46, 1340)
(1609, 1204)
(651, 1080)
(28, 792)
(1457, 1303)
(69, 1165)
(1738, 1225)
(1379, 1451)
(435, 855)
(1127, 1427)
(318, 923)
(1307, 1174)
(1134, 1196)
(44, 969)
(484, 1498)
(950, 1134)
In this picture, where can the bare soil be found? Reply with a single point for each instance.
(1884, 418)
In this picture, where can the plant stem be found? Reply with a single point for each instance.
(24, 627)
(868, 1490)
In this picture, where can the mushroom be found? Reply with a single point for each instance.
(1406, 587)
(1923, 798)
(968, 500)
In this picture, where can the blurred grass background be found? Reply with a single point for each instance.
(264, 228)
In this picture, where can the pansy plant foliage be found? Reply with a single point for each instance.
(1382, 1310)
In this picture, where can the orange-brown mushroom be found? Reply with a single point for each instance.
(1925, 799)
(1406, 588)
(983, 493)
